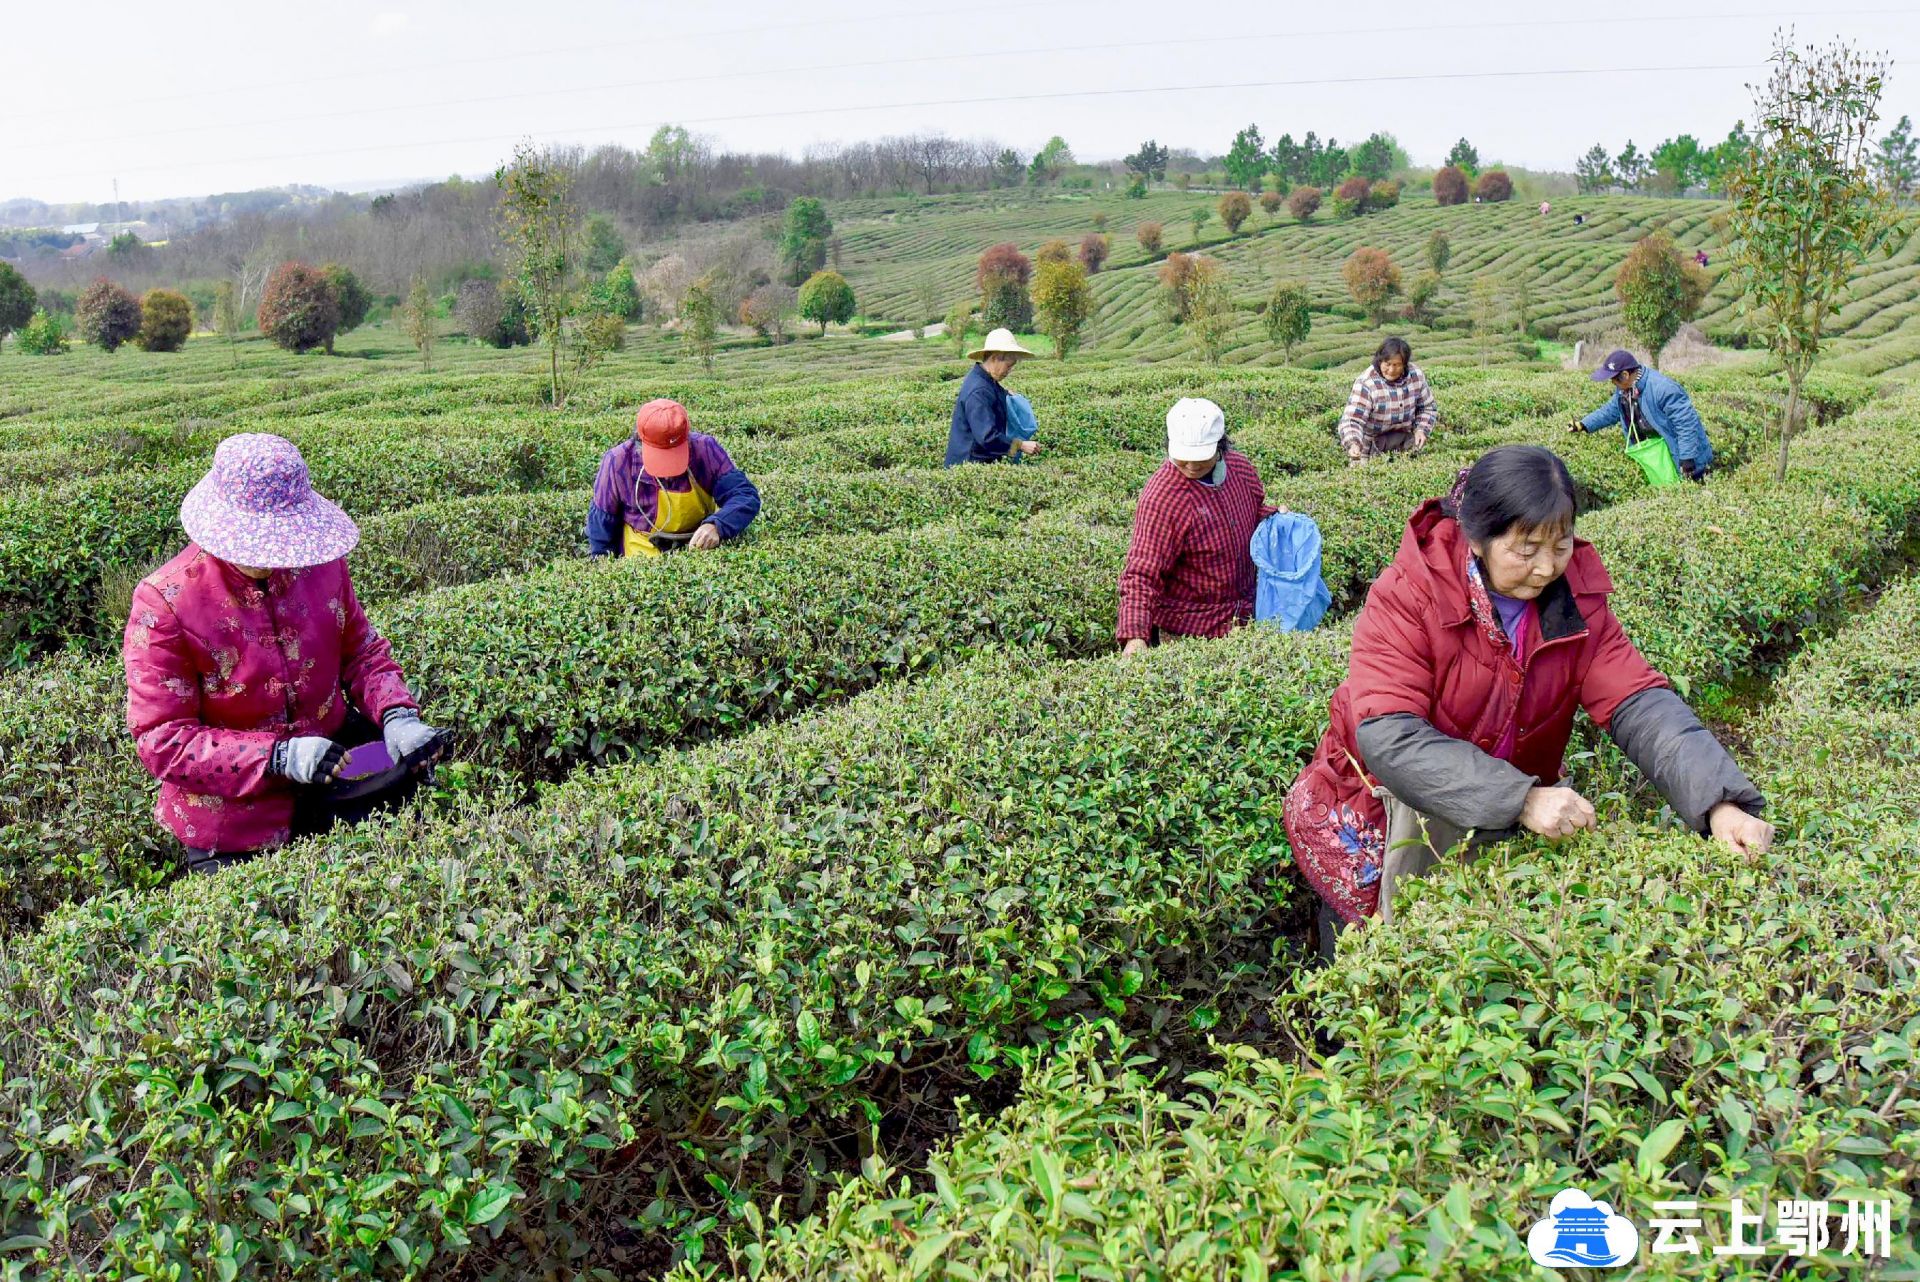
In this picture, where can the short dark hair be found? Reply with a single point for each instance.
(1516, 485)
(1390, 348)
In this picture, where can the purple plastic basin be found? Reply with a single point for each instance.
(368, 759)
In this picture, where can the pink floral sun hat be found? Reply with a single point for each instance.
(257, 508)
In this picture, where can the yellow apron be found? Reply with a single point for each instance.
(675, 513)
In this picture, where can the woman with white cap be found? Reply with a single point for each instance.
(1189, 570)
(980, 422)
(252, 671)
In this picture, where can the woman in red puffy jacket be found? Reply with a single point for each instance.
(1475, 648)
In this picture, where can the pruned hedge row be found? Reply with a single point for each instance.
(484, 1037)
(575, 665)
(461, 541)
(500, 1033)
(1635, 1015)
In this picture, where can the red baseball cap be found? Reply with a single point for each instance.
(663, 427)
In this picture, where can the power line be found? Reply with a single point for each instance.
(1045, 50)
(1051, 96)
(521, 56)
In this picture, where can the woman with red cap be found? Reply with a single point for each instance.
(251, 670)
(666, 487)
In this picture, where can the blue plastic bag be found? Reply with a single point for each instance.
(1292, 594)
(1021, 424)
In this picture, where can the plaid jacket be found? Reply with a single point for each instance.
(1190, 567)
(1377, 406)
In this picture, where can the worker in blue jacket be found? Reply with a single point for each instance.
(981, 414)
(1646, 398)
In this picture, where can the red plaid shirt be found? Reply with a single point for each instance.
(1377, 406)
(1189, 570)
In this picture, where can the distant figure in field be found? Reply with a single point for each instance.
(1189, 569)
(982, 426)
(258, 694)
(1579, 220)
(1700, 256)
(1646, 398)
(667, 487)
(1391, 408)
(1545, 209)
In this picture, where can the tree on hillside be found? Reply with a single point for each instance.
(1303, 203)
(1372, 279)
(1198, 216)
(1150, 162)
(1008, 167)
(1809, 171)
(1449, 186)
(166, 318)
(350, 296)
(1659, 291)
(18, 301)
(1676, 165)
(1176, 283)
(1717, 163)
(826, 299)
(1210, 309)
(416, 321)
(1062, 303)
(541, 226)
(1593, 172)
(226, 317)
(1246, 161)
(298, 311)
(1439, 250)
(1150, 235)
(1420, 295)
(1002, 275)
(604, 246)
(1373, 159)
(804, 233)
(620, 292)
(1289, 316)
(1095, 247)
(1630, 167)
(1493, 187)
(1485, 314)
(765, 311)
(106, 315)
(1050, 161)
(1350, 197)
(1054, 250)
(1235, 208)
(1464, 156)
(1270, 203)
(959, 322)
(700, 319)
(1895, 160)
(1384, 195)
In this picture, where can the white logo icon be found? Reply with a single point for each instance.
(1581, 1233)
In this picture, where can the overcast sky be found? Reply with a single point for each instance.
(223, 96)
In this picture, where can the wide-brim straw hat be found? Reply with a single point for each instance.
(1000, 341)
(257, 508)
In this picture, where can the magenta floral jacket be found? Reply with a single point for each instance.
(220, 668)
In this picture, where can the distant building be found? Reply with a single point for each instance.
(81, 229)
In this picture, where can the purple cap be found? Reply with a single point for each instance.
(1618, 362)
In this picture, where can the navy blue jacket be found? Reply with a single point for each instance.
(979, 432)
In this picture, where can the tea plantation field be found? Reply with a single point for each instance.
(838, 904)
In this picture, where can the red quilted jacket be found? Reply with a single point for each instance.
(1420, 647)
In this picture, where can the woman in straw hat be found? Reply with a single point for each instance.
(980, 420)
(251, 669)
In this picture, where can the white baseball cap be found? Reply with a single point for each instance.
(1195, 428)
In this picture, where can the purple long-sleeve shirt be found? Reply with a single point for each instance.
(623, 493)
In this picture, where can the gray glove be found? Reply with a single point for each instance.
(406, 733)
(308, 759)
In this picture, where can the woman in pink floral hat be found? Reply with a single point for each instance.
(252, 671)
